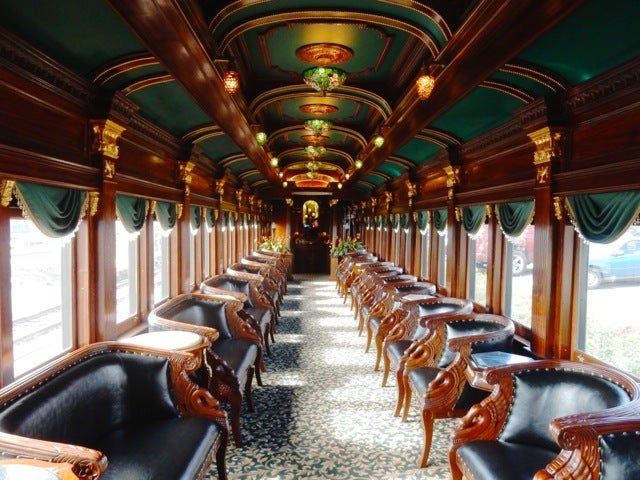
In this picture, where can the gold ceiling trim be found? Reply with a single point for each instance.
(123, 65)
(328, 16)
(336, 130)
(507, 89)
(346, 92)
(535, 73)
(414, 6)
(147, 82)
(200, 134)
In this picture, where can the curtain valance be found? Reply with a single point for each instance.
(440, 219)
(514, 217)
(473, 218)
(132, 212)
(166, 214)
(422, 221)
(55, 211)
(195, 218)
(603, 217)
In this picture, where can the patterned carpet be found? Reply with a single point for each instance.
(322, 413)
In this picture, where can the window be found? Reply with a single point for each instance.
(126, 273)
(42, 323)
(161, 251)
(519, 277)
(609, 288)
(442, 255)
(424, 252)
(478, 248)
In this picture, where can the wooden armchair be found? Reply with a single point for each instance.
(367, 281)
(542, 421)
(111, 411)
(256, 302)
(235, 354)
(412, 328)
(345, 268)
(356, 276)
(276, 272)
(371, 296)
(377, 321)
(261, 273)
(434, 368)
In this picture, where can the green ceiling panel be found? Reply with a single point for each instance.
(377, 180)
(477, 113)
(169, 106)
(70, 31)
(596, 38)
(418, 151)
(219, 147)
(392, 170)
(525, 84)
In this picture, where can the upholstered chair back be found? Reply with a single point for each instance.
(201, 312)
(541, 395)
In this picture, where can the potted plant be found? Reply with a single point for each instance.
(342, 246)
(280, 246)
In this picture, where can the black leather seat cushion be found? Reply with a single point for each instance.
(240, 354)
(396, 349)
(474, 327)
(436, 308)
(170, 449)
(262, 315)
(504, 461)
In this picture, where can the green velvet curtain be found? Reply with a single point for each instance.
(603, 217)
(405, 219)
(473, 218)
(395, 221)
(56, 211)
(166, 214)
(132, 212)
(440, 219)
(210, 217)
(514, 217)
(195, 218)
(423, 221)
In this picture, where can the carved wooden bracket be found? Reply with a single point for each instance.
(548, 144)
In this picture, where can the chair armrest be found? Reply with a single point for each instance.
(86, 463)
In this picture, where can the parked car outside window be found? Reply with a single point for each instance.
(522, 251)
(616, 261)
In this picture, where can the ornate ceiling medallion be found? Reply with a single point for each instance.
(324, 53)
(318, 109)
(314, 139)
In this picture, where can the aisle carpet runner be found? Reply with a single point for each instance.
(322, 413)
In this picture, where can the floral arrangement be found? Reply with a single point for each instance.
(274, 245)
(346, 245)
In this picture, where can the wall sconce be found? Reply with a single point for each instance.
(231, 81)
(285, 184)
(339, 185)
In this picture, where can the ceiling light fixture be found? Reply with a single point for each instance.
(358, 163)
(261, 138)
(231, 81)
(378, 140)
(315, 151)
(274, 161)
(425, 84)
(324, 79)
(317, 127)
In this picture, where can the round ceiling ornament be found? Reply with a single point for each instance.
(324, 54)
(318, 109)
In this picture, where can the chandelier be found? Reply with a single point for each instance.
(313, 165)
(424, 86)
(324, 79)
(315, 151)
(317, 127)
